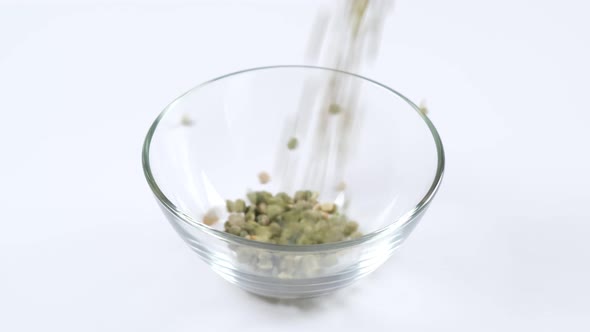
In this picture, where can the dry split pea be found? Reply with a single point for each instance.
(282, 219)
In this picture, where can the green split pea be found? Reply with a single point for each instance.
(282, 219)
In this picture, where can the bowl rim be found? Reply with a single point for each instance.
(402, 221)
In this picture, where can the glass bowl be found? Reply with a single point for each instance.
(211, 143)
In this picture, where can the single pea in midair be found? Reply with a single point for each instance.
(292, 144)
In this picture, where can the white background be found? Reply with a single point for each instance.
(83, 247)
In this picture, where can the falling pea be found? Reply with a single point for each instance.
(334, 109)
(292, 144)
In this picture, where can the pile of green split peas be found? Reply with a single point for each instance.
(282, 219)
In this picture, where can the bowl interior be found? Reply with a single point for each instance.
(210, 144)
